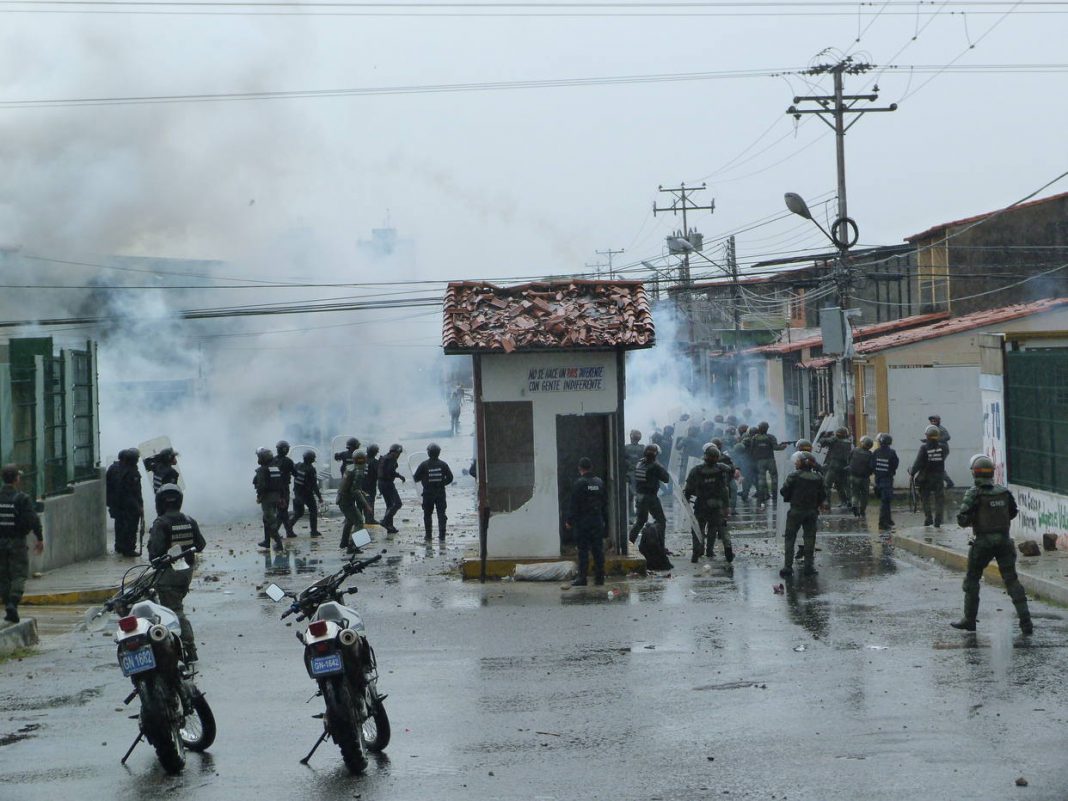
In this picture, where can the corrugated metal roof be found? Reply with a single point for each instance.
(967, 220)
(859, 333)
(573, 315)
(957, 325)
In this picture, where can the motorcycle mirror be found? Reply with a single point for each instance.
(361, 538)
(275, 593)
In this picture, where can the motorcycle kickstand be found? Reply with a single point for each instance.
(314, 748)
(140, 736)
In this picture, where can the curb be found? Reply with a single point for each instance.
(18, 635)
(496, 568)
(1036, 586)
(93, 595)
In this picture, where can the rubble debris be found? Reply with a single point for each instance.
(1029, 548)
(1021, 782)
(580, 314)
(1049, 541)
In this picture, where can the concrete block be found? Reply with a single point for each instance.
(14, 636)
(75, 527)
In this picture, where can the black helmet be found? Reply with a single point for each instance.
(885, 439)
(282, 447)
(309, 457)
(264, 455)
(804, 445)
(166, 455)
(651, 451)
(842, 433)
(170, 495)
(763, 427)
(396, 447)
(982, 466)
(352, 443)
(866, 443)
(123, 455)
(372, 451)
(359, 456)
(635, 435)
(932, 432)
(133, 454)
(433, 450)
(712, 453)
(718, 443)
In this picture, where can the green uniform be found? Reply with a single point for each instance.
(988, 508)
(929, 472)
(173, 529)
(270, 485)
(648, 476)
(762, 449)
(17, 519)
(861, 465)
(835, 469)
(708, 486)
(632, 455)
(352, 501)
(805, 492)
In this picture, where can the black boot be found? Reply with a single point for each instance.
(967, 625)
(11, 614)
(728, 553)
(1026, 626)
(579, 581)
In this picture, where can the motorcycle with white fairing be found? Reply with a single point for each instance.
(175, 715)
(339, 658)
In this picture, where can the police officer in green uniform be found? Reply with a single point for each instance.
(269, 486)
(632, 455)
(17, 519)
(287, 466)
(861, 465)
(173, 529)
(988, 508)
(836, 466)
(587, 515)
(762, 447)
(306, 492)
(351, 500)
(649, 474)
(708, 486)
(929, 471)
(805, 492)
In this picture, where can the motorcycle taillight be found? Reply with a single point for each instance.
(128, 623)
(133, 643)
(318, 628)
(324, 647)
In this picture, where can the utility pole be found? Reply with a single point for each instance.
(685, 242)
(596, 267)
(736, 290)
(609, 253)
(833, 110)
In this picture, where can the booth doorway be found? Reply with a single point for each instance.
(579, 435)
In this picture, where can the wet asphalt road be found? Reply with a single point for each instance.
(707, 684)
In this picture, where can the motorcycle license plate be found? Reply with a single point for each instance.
(137, 661)
(326, 665)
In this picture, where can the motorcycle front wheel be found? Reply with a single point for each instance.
(159, 723)
(375, 729)
(198, 729)
(342, 723)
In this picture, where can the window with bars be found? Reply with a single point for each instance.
(1036, 418)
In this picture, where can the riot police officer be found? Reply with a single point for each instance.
(632, 455)
(836, 466)
(286, 465)
(805, 446)
(387, 474)
(929, 471)
(164, 471)
(345, 456)
(988, 508)
(805, 492)
(370, 480)
(649, 474)
(351, 500)
(707, 486)
(435, 475)
(884, 467)
(125, 501)
(586, 516)
(173, 529)
(269, 488)
(860, 469)
(306, 493)
(762, 447)
(17, 519)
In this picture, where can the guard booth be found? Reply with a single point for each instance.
(549, 384)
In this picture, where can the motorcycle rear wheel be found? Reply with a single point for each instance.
(159, 723)
(342, 723)
(198, 729)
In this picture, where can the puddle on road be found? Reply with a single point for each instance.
(56, 702)
(731, 685)
(25, 733)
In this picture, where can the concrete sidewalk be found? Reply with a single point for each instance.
(90, 582)
(1044, 577)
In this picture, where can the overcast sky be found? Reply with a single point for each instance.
(505, 183)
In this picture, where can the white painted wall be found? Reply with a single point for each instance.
(1040, 512)
(914, 393)
(533, 529)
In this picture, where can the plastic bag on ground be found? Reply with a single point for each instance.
(546, 571)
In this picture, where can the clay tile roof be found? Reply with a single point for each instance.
(863, 332)
(957, 325)
(572, 315)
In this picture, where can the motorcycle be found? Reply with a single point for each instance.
(339, 658)
(175, 715)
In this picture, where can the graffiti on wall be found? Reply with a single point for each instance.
(1040, 513)
(994, 430)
